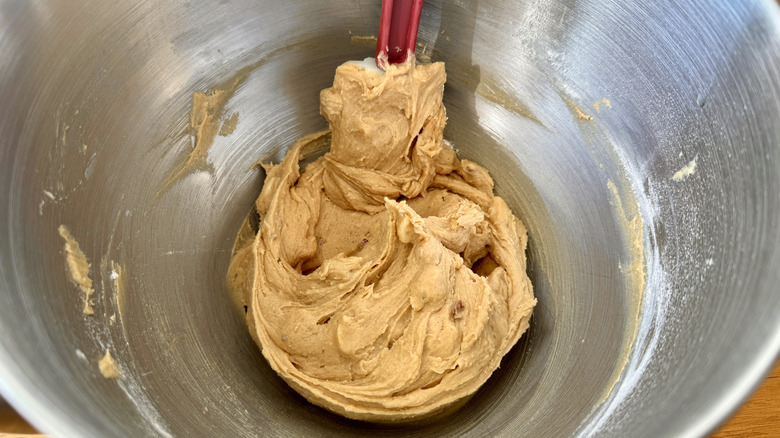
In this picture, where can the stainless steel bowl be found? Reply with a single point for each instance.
(94, 116)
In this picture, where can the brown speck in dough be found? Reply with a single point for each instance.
(78, 265)
(108, 366)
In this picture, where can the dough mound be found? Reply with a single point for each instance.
(386, 282)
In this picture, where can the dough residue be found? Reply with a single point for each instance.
(577, 111)
(687, 170)
(362, 39)
(498, 95)
(229, 125)
(108, 366)
(118, 279)
(206, 117)
(604, 101)
(386, 281)
(78, 265)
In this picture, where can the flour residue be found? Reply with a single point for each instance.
(78, 265)
(117, 277)
(108, 366)
(46, 195)
(687, 170)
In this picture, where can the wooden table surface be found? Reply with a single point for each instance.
(760, 417)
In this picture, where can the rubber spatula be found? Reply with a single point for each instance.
(397, 36)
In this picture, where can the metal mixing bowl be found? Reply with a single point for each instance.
(694, 80)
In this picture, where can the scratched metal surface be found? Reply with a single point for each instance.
(691, 81)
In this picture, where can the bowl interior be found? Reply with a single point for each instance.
(584, 112)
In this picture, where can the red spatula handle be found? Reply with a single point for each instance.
(398, 26)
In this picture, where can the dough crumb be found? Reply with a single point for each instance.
(709, 262)
(604, 101)
(79, 268)
(108, 366)
(688, 170)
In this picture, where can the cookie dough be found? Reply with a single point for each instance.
(386, 281)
